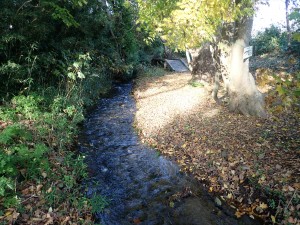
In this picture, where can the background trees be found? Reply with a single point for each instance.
(41, 39)
(188, 24)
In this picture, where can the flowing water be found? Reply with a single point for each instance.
(141, 186)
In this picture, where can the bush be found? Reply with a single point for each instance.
(286, 95)
(269, 41)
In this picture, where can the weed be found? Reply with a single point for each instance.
(98, 203)
(272, 203)
(151, 71)
(196, 84)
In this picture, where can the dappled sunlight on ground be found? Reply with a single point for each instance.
(237, 158)
(164, 99)
(211, 113)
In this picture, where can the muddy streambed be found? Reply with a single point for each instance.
(141, 186)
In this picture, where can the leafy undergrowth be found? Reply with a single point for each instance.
(40, 173)
(251, 164)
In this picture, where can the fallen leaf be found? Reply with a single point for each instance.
(49, 190)
(291, 220)
(136, 221)
(229, 196)
(39, 187)
(291, 188)
(263, 205)
(238, 214)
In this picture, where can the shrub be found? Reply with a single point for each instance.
(268, 41)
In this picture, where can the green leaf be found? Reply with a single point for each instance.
(296, 36)
(76, 65)
(80, 75)
(297, 92)
(280, 90)
(72, 76)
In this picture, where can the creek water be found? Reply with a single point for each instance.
(141, 186)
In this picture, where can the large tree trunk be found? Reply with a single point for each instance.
(244, 96)
(202, 64)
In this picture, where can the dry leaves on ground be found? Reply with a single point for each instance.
(252, 164)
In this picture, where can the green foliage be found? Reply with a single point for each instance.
(268, 41)
(98, 203)
(17, 154)
(75, 70)
(294, 17)
(150, 71)
(196, 84)
(187, 24)
(273, 40)
(56, 58)
(12, 132)
(287, 91)
(46, 44)
(154, 49)
(27, 106)
(63, 14)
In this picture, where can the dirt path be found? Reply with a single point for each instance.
(237, 158)
(160, 100)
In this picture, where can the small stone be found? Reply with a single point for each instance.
(218, 201)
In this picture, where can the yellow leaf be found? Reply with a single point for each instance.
(263, 205)
(229, 196)
(172, 204)
(7, 213)
(238, 214)
(273, 219)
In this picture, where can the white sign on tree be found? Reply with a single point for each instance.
(248, 51)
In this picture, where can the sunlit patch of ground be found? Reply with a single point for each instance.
(252, 164)
(160, 100)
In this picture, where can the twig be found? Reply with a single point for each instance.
(277, 211)
(33, 196)
(23, 5)
(290, 200)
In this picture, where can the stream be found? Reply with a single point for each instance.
(141, 186)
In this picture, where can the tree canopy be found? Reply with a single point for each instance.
(185, 23)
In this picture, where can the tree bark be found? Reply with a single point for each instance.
(288, 28)
(188, 58)
(244, 96)
(202, 64)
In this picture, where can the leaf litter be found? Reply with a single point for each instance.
(252, 164)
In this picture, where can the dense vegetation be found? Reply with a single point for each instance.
(273, 40)
(56, 58)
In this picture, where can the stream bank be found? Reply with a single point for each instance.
(141, 186)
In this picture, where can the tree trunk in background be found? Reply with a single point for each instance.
(202, 64)
(188, 58)
(288, 28)
(244, 96)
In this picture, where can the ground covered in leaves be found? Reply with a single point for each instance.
(251, 164)
(41, 180)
